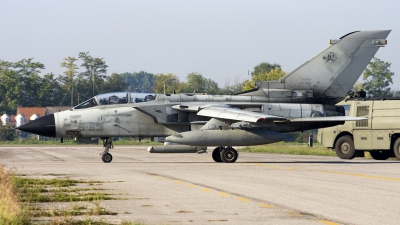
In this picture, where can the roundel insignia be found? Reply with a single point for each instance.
(330, 57)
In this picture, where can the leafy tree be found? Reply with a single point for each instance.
(264, 68)
(96, 70)
(141, 82)
(196, 83)
(10, 88)
(229, 89)
(50, 91)
(28, 72)
(358, 87)
(170, 80)
(274, 74)
(377, 78)
(114, 83)
(21, 85)
(211, 87)
(70, 73)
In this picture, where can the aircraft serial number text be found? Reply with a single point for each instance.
(90, 126)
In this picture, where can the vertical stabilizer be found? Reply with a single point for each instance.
(333, 72)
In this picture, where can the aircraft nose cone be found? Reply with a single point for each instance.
(44, 126)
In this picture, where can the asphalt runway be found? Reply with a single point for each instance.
(193, 189)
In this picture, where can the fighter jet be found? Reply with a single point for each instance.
(301, 100)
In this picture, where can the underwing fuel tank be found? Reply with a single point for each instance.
(177, 149)
(228, 137)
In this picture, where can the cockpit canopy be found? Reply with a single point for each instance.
(116, 98)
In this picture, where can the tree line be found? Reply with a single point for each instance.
(85, 76)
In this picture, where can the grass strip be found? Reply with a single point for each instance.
(11, 211)
(293, 148)
(73, 142)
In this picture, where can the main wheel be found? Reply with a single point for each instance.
(396, 148)
(229, 155)
(216, 154)
(380, 155)
(107, 157)
(344, 147)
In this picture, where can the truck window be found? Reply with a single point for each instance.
(346, 109)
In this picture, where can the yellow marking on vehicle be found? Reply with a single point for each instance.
(243, 199)
(192, 185)
(223, 194)
(291, 168)
(327, 222)
(295, 214)
(157, 176)
(165, 178)
(206, 189)
(178, 181)
(266, 206)
(272, 167)
(364, 175)
(259, 164)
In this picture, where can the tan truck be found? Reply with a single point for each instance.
(379, 135)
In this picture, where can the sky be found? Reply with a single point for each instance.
(222, 40)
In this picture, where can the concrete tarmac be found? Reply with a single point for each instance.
(193, 189)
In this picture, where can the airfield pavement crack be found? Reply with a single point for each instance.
(245, 198)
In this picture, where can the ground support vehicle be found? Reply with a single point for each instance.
(379, 135)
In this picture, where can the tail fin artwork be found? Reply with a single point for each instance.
(328, 76)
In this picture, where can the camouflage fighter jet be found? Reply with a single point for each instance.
(301, 100)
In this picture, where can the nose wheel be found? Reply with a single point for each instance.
(106, 157)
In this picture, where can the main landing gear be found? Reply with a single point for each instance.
(107, 144)
(225, 154)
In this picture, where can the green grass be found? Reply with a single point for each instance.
(135, 142)
(73, 142)
(54, 190)
(293, 148)
(37, 142)
(21, 198)
(11, 211)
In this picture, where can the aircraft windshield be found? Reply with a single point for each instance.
(116, 98)
(87, 104)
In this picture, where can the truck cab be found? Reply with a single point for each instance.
(379, 134)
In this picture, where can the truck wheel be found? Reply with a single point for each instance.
(396, 148)
(380, 155)
(344, 147)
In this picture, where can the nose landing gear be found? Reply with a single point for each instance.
(107, 144)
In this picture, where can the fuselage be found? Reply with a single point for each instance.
(160, 118)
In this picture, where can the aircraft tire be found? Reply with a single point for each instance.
(107, 158)
(380, 155)
(396, 148)
(344, 147)
(216, 154)
(229, 155)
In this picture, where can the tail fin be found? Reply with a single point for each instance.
(327, 77)
(334, 71)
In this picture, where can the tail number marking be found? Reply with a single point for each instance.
(90, 126)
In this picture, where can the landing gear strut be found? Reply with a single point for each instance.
(107, 144)
(225, 154)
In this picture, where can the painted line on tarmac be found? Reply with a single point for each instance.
(327, 222)
(243, 198)
(222, 194)
(364, 176)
